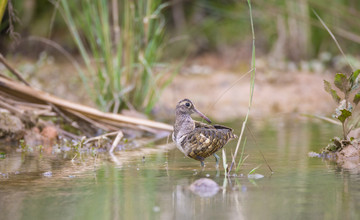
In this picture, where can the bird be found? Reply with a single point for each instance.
(195, 139)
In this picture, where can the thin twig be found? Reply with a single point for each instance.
(52, 20)
(58, 47)
(101, 136)
(259, 149)
(227, 89)
(252, 83)
(16, 73)
(334, 38)
(87, 119)
(116, 141)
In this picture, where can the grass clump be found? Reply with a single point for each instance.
(120, 44)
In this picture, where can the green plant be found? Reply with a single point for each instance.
(121, 48)
(2, 8)
(252, 84)
(349, 99)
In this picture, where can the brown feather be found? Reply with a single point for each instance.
(196, 139)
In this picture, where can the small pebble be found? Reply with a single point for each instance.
(72, 176)
(47, 174)
(255, 176)
(207, 175)
(156, 209)
(138, 168)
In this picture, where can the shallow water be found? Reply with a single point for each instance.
(127, 186)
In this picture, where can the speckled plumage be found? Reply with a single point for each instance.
(195, 139)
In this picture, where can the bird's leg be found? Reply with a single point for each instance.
(217, 172)
(217, 159)
(201, 159)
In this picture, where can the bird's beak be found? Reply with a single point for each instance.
(202, 115)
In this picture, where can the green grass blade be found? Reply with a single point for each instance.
(252, 84)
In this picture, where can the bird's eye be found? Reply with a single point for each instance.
(187, 104)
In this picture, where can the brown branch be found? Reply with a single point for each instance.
(16, 88)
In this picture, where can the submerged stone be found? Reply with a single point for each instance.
(255, 176)
(204, 187)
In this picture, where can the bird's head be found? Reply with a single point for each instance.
(186, 107)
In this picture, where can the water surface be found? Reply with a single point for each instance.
(154, 183)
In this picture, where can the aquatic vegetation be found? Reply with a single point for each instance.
(121, 48)
(252, 84)
(347, 102)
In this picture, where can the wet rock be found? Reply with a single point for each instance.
(347, 152)
(352, 163)
(204, 187)
(348, 156)
(10, 125)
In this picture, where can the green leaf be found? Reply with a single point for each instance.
(344, 115)
(354, 81)
(331, 91)
(356, 98)
(341, 82)
(254, 169)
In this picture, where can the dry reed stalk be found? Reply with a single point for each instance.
(20, 90)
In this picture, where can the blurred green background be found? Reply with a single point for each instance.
(122, 49)
(289, 27)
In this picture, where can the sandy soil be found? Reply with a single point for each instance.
(225, 95)
(216, 87)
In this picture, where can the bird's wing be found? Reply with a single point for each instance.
(199, 124)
